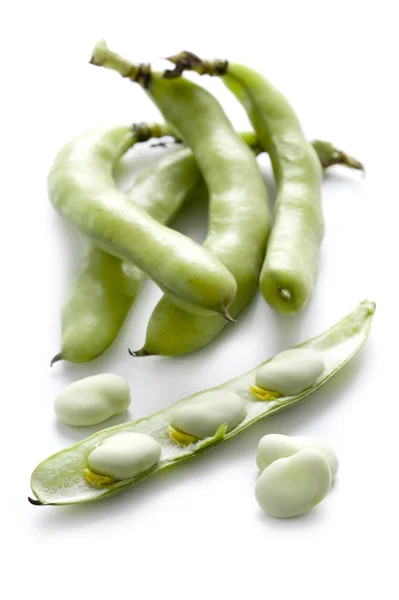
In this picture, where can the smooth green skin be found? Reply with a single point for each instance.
(292, 486)
(292, 259)
(239, 220)
(291, 265)
(59, 479)
(100, 296)
(172, 331)
(82, 189)
(105, 287)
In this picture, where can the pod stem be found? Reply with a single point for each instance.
(147, 131)
(329, 156)
(141, 352)
(141, 73)
(251, 140)
(56, 358)
(102, 56)
(187, 61)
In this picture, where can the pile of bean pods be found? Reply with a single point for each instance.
(205, 287)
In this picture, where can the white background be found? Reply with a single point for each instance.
(196, 531)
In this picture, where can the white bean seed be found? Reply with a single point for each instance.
(202, 416)
(291, 371)
(92, 400)
(125, 455)
(274, 446)
(291, 486)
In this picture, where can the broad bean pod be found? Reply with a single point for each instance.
(105, 286)
(239, 221)
(62, 478)
(291, 265)
(172, 331)
(82, 189)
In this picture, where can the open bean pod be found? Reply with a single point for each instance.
(60, 479)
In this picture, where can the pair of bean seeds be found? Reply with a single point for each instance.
(297, 473)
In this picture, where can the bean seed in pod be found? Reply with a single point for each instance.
(125, 455)
(203, 416)
(288, 373)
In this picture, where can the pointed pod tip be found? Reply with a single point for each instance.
(141, 352)
(372, 307)
(353, 163)
(56, 358)
(34, 501)
(226, 316)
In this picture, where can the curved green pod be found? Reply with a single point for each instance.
(60, 478)
(291, 265)
(172, 332)
(105, 287)
(292, 260)
(100, 296)
(82, 189)
(239, 220)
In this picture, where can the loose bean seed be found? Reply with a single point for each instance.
(92, 400)
(292, 486)
(274, 446)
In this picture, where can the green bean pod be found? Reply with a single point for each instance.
(65, 478)
(105, 287)
(292, 259)
(172, 331)
(102, 292)
(82, 189)
(239, 221)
